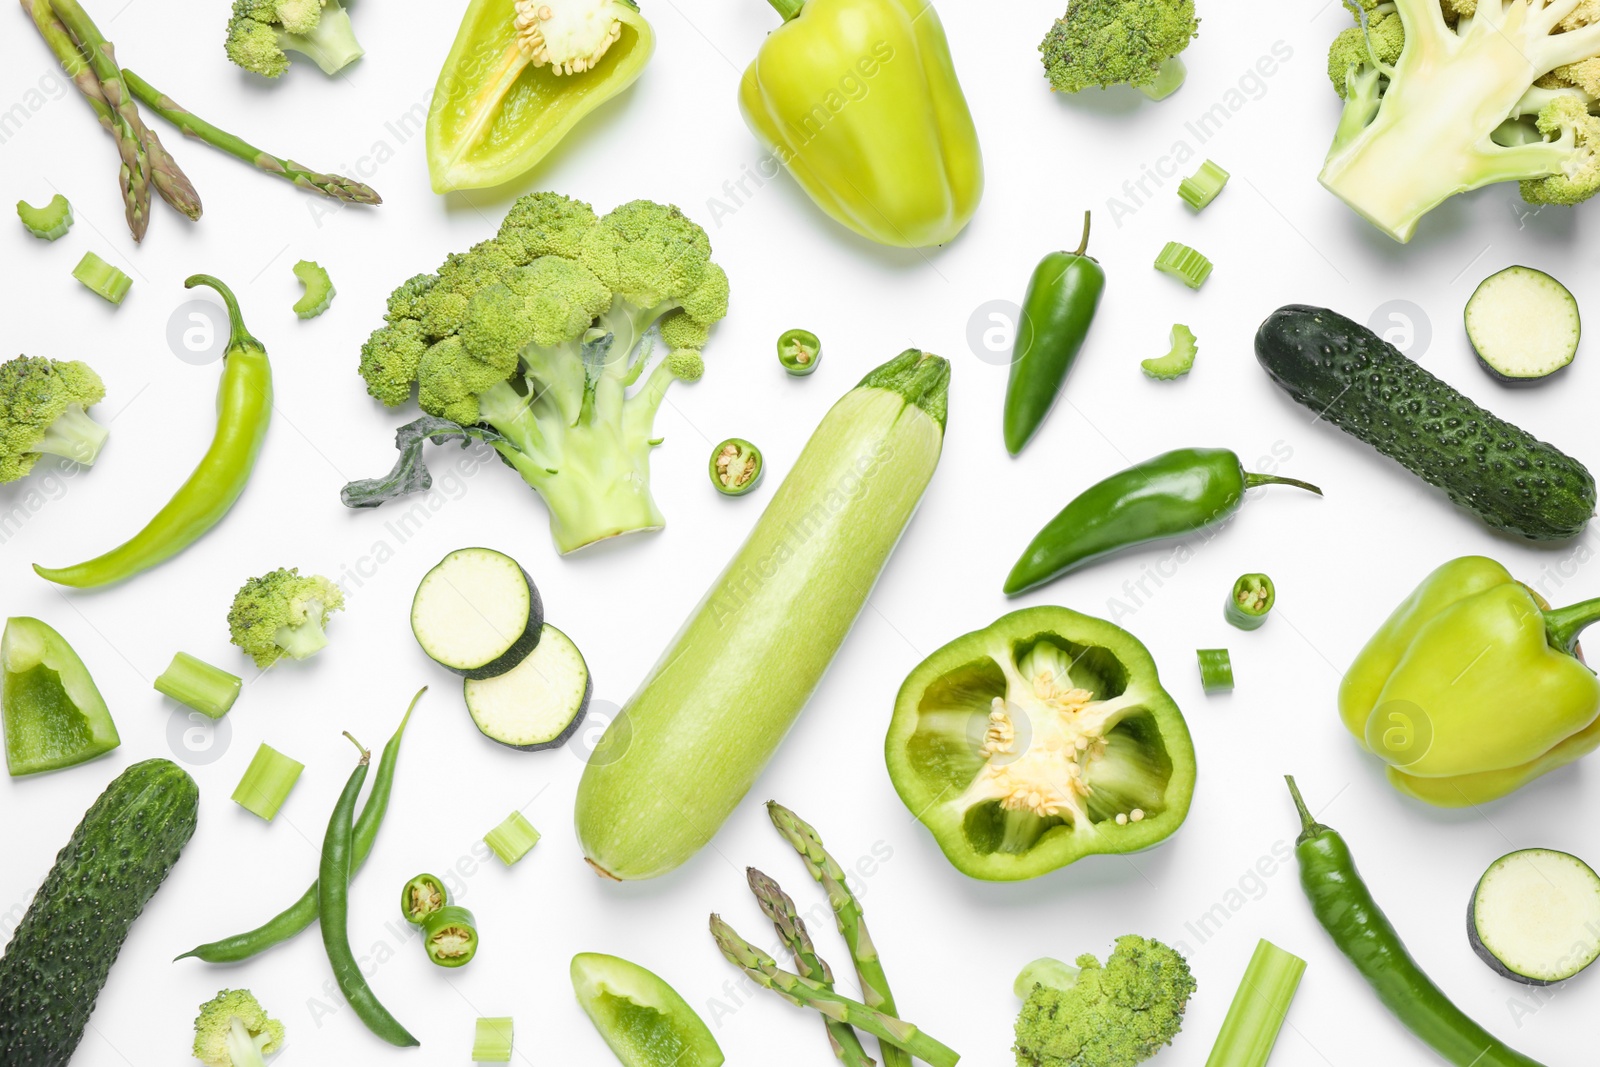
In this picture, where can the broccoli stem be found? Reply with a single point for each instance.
(306, 639)
(73, 436)
(332, 45)
(1168, 80)
(244, 1050)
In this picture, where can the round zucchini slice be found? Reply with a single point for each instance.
(477, 613)
(540, 702)
(1523, 324)
(1535, 916)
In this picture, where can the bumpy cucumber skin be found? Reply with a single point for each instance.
(63, 949)
(1360, 383)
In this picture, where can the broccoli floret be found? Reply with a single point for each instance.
(537, 341)
(1445, 96)
(1120, 42)
(260, 32)
(43, 412)
(1117, 1015)
(282, 613)
(233, 1030)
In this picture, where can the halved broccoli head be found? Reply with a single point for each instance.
(42, 412)
(233, 1030)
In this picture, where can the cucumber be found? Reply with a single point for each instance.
(62, 951)
(1360, 383)
(690, 742)
(1534, 916)
(1523, 324)
(540, 702)
(477, 613)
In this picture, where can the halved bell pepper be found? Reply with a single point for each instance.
(54, 715)
(1472, 688)
(1040, 740)
(859, 100)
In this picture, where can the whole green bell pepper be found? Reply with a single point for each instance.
(1472, 688)
(1044, 738)
(859, 100)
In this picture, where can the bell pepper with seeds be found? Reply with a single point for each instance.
(1473, 687)
(1035, 742)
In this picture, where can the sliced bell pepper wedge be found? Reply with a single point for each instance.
(54, 715)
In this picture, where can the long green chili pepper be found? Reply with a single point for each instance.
(450, 936)
(1345, 908)
(244, 408)
(1173, 494)
(303, 912)
(333, 905)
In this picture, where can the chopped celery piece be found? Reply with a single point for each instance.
(267, 781)
(1176, 363)
(197, 684)
(1184, 263)
(48, 222)
(1216, 670)
(102, 278)
(1258, 1009)
(319, 290)
(1202, 187)
(512, 839)
(491, 1043)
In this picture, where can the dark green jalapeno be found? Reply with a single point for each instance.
(1249, 601)
(735, 466)
(1175, 493)
(1056, 312)
(799, 351)
(450, 936)
(421, 897)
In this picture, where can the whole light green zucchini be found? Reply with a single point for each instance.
(691, 741)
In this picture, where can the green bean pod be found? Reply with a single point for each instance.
(450, 936)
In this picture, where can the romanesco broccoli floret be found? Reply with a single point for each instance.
(1120, 42)
(233, 1030)
(282, 613)
(43, 412)
(261, 32)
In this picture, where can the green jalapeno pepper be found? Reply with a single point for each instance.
(1056, 312)
(244, 408)
(1173, 494)
(1345, 908)
(421, 897)
(1249, 602)
(799, 351)
(736, 466)
(450, 936)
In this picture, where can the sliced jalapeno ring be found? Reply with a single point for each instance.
(422, 896)
(1251, 599)
(799, 351)
(736, 466)
(1216, 670)
(450, 936)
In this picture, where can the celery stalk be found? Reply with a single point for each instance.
(197, 684)
(491, 1043)
(1259, 1007)
(512, 839)
(267, 781)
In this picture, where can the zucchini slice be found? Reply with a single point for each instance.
(477, 613)
(1523, 324)
(1535, 916)
(540, 702)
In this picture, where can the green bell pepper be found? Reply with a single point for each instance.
(1472, 688)
(54, 715)
(1040, 740)
(859, 100)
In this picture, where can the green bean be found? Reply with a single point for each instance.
(303, 912)
(333, 905)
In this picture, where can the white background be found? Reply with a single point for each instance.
(951, 945)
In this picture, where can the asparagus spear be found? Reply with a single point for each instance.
(333, 185)
(846, 911)
(779, 907)
(804, 992)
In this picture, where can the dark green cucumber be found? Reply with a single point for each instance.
(64, 947)
(1360, 383)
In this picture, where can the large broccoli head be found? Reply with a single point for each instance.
(233, 1030)
(282, 613)
(42, 412)
(1120, 42)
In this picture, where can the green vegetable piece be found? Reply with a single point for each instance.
(49, 222)
(319, 290)
(1184, 263)
(262, 31)
(1120, 42)
(643, 1019)
(43, 406)
(799, 351)
(1259, 1007)
(421, 897)
(233, 1030)
(735, 466)
(1216, 670)
(1118, 1014)
(1202, 187)
(198, 685)
(1249, 601)
(491, 1041)
(267, 782)
(512, 839)
(1177, 362)
(54, 715)
(281, 614)
(450, 936)
(1524, 325)
(102, 279)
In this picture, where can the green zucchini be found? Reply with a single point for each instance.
(689, 744)
(1360, 383)
(62, 951)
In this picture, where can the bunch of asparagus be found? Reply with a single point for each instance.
(811, 985)
(114, 95)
